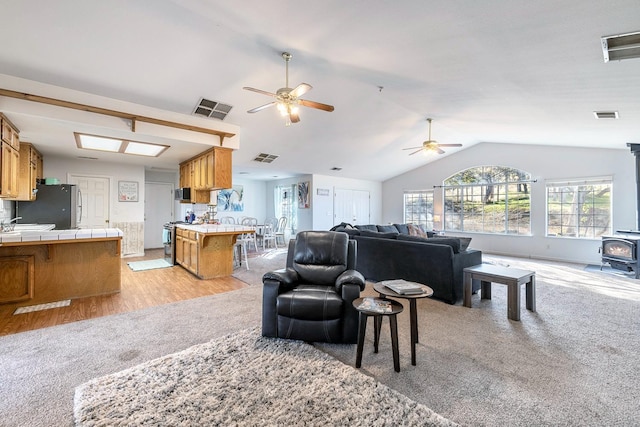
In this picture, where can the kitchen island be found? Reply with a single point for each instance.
(207, 250)
(39, 267)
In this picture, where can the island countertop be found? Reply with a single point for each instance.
(30, 236)
(217, 228)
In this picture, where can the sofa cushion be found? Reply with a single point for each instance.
(402, 228)
(464, 243)
(453, 242)
(371, 227)
(351, 231)
(378, 234)
(414, 230)
(387, 228)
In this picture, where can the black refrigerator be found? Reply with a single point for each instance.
(54, 204)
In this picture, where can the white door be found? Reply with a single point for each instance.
(94, 200)
(351, 206)
(158, 209)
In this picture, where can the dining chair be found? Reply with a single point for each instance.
(227, 220)
(249, 238)
(282, 225)
(268, 232)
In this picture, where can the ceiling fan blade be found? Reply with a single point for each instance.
(264, 92)
(439, 150)
(300, 90)
(449, 145)
(294, 117)
(412, 148)
(417, 151)
(262, 107)
(314, 104)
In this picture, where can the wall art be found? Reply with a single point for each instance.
(303, 195)
(231, 199)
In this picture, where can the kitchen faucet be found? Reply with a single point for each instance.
(9, 226)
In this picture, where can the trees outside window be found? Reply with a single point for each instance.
(418, 208)
(579, 209)
(488, 199)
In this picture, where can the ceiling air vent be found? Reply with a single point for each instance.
(265, 158)
(621, 46)
(212, 109)
(606, 114)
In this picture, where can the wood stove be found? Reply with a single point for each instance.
(620, 251)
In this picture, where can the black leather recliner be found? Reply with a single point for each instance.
(311, 299)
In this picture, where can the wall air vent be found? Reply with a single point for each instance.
(212, 109)
(606, 114)
(621, 46)
(265, 158)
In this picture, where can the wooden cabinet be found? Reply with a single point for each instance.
(210, 170)
(30, 172)
(10, 164)
(187, 249)
(10, 146)
(17, 278)
(10, 133)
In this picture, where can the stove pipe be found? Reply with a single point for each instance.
(635, 149)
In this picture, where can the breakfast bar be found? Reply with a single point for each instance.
(207, 250)
(39, 267)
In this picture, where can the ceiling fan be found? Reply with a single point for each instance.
(430, 145)
(287, 99)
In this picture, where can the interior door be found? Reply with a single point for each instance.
(351, 206)
(94, 200)
(158, 209)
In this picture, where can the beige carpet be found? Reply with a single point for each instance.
(244, 379)
(573, 363)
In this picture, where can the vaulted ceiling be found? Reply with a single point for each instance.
(518, 72)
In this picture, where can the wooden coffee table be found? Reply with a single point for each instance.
(512, 277)
(413, 310)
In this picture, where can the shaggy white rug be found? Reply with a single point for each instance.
(246, 379)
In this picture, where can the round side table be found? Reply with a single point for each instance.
(413, 310)
(365, 311)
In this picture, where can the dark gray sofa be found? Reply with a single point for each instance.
(436, 262)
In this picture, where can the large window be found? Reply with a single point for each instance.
(580, 209)
(418, 208)
(488, 199)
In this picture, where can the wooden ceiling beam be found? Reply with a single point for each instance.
(113, 113)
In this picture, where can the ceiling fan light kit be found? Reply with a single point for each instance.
(287, 100)
(430, 145)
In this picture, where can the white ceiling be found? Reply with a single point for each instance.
(520, 72)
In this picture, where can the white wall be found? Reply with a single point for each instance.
(543, 163)
(320, 216)
(57, 167)
(254, 197)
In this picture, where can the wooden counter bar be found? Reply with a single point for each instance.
(42, 267)
(207, 250)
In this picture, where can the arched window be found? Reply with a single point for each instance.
(488, 199)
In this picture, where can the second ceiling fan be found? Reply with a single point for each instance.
(287, 99)
(430, 145)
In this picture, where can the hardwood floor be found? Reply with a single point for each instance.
(139, 289)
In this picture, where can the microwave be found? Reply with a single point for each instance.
(183, 194)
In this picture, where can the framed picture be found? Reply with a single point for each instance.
(303, 195)
(127, 191)
(231, 199)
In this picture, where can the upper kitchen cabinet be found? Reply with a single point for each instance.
(210, 170)
(30, 172)
(10, 158)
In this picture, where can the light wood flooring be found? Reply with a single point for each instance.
(140, 289)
